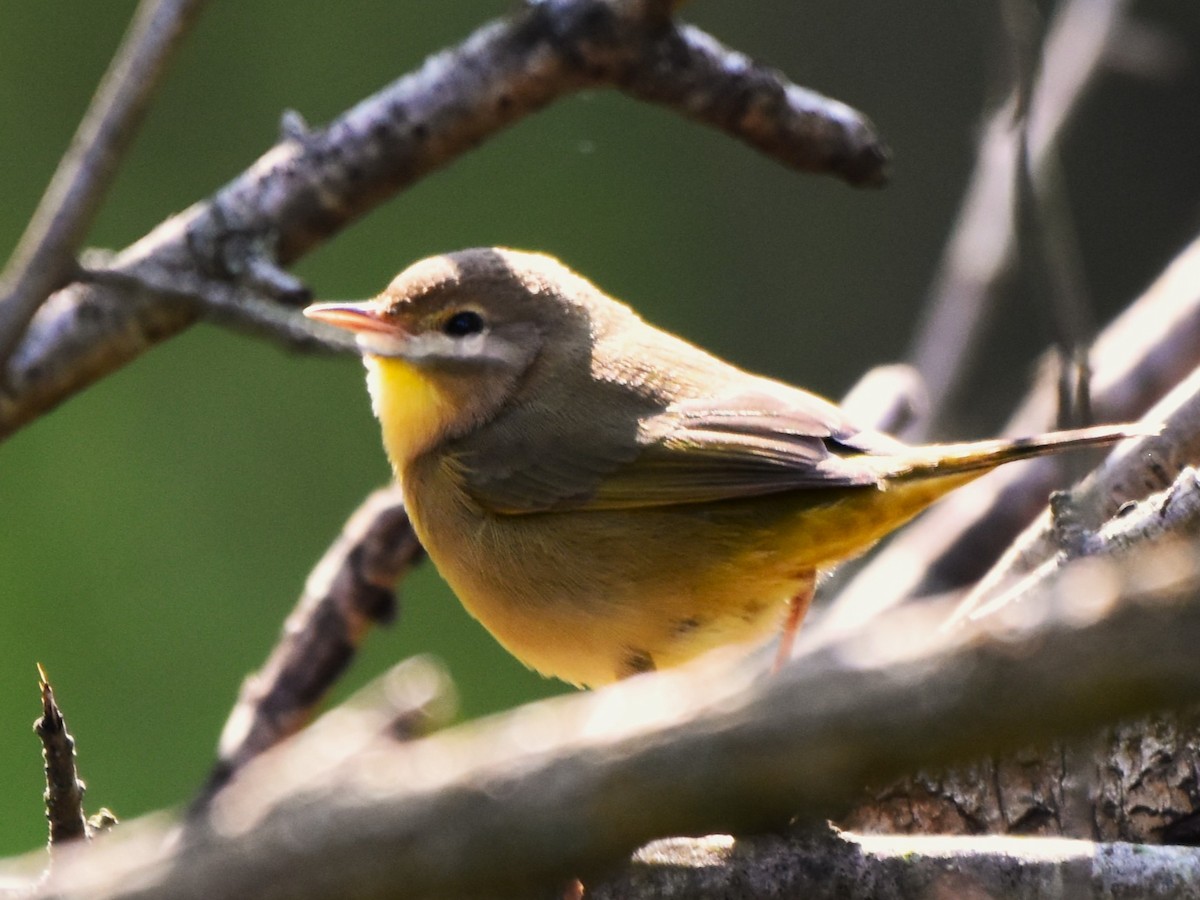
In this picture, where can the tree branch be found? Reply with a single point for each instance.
(313, 183)
(845, 866)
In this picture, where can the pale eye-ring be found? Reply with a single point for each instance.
(463, 323)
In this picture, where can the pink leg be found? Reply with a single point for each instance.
(797, 609)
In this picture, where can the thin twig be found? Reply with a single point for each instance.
(44, 259)
(1044, 221)
(64, 788)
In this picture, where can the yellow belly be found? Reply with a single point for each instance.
(588, 596)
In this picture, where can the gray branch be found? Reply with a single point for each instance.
(829, 865)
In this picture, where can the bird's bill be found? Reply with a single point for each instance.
(361, 318)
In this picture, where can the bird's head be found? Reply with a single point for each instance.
(452, 337)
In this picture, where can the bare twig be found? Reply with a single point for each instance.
(981, 249)
(43, 260)
(351, 588)
(64, 788)
(314, 183)
(559, 788)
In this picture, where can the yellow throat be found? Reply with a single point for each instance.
(410, 409)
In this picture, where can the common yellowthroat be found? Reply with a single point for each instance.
(607, 498)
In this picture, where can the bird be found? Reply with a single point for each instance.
(607, 498)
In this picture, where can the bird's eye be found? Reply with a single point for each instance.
(463, 323)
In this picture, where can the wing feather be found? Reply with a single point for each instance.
(745, 444)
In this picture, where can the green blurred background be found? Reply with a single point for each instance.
(158, 528)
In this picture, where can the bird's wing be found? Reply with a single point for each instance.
(696, 451)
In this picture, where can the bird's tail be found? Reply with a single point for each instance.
(978, 456)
